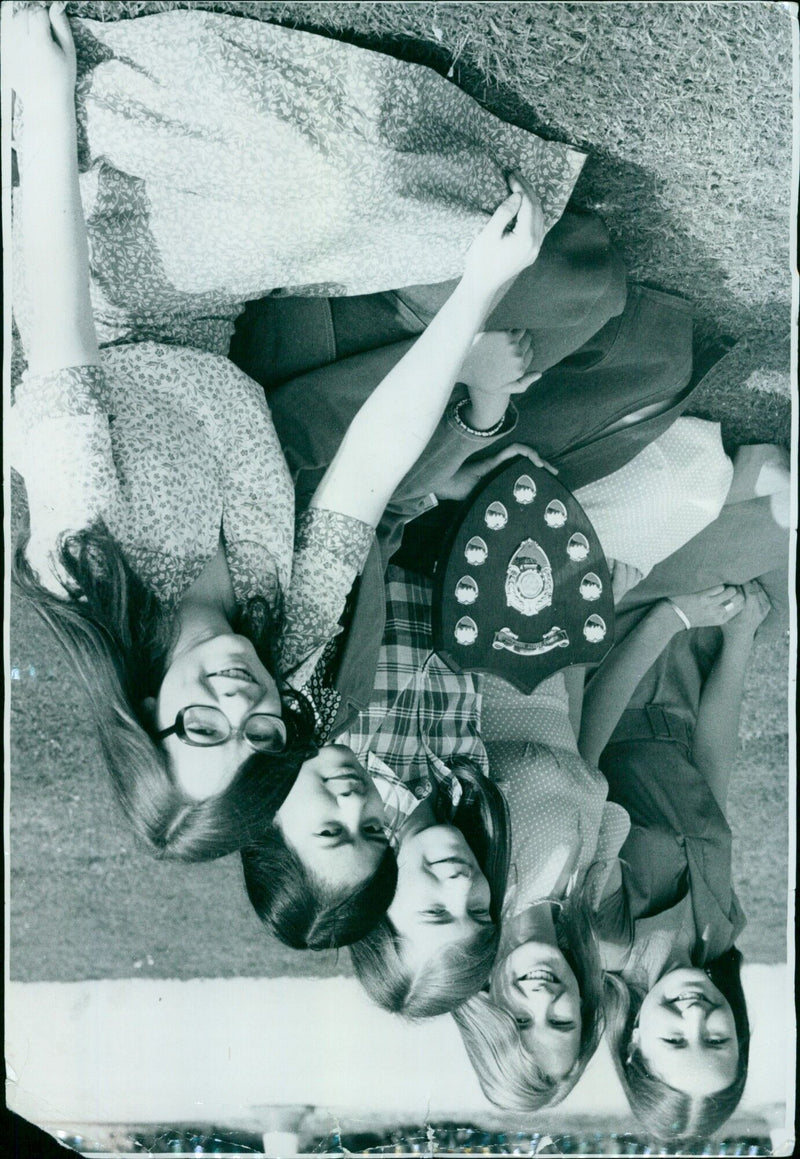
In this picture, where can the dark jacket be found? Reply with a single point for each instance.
(617, 362)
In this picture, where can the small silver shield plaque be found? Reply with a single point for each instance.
(529, 579)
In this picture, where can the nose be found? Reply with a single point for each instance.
(342, 788)
(239, 703)
(351, 809)
(451, 872)
(694, 1016)
(454, 882)
(239, 698)
(545, 1001)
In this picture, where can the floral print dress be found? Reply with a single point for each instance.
(222, 159)
(226, 158)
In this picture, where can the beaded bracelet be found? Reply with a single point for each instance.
(457, 419)
(679, 612)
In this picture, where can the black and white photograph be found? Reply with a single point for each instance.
(400, 529)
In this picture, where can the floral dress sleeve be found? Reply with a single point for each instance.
(330, 551)
(61, 445)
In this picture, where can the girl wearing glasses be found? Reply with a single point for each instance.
(161, 549)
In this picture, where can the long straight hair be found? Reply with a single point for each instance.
(117, 637)
(445, 981)
(510, 1076)
(673, 1115)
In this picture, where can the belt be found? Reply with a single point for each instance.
(652, 723)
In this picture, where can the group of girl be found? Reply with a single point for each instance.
(276, 294)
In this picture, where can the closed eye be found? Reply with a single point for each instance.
(564, 1026)
(482, 917)
(437, 916)
(374, 831)
(332, 835)
(716, 1043)
(678, 1043)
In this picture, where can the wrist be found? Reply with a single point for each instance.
(461, 416)
(474, 295)
(483, 410)
(738, 635)
(669, 619)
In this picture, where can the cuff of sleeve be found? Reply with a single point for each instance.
(345, 540)
(506, 425)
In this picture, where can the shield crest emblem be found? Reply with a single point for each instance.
(522, 586)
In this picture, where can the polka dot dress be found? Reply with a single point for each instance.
(664, 497)
(560, 820)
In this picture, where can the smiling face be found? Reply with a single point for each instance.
(442, 896)
(333, 819)
(540, 991)
(687, 1034)
(223, 672)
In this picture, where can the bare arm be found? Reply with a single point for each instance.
(54, 245)
(617, 678)
(716, 735)
(574, 680)
(393, 426)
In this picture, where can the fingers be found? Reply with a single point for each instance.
(515, 449)
(530, 218)
(504, 214)
(510, 452)
(522, 383)
(519, 183)
(732, 607)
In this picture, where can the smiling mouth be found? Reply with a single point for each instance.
(235, 674)
(693, 997)
(540, 974)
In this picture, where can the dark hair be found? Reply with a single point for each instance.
(672, 1115)
(509, 1075)
(300, 912)
(117, 636)
(459, 971)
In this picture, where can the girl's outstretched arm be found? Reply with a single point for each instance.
(611, 688)
(393, 426)
(716, 735)
(41, 62)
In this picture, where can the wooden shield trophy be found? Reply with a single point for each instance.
(522, 586)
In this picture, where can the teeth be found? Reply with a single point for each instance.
(236, 673)
(539, 975)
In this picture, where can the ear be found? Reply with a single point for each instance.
(149, 706)
(634, 1042)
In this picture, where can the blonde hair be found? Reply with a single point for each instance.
(511, 1077)
(435, 986)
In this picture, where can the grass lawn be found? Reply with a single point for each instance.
(685, 110)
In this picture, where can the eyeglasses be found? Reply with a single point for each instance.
(203, 726)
